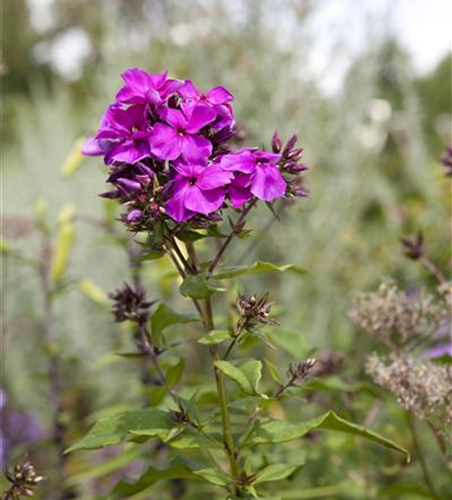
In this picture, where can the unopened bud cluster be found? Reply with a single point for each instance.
(23, 479)
(130, 304)
(296, 374)
(254, 310)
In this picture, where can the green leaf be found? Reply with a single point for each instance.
(269, 430)
(62, 250)
(215, 337)
(190, 236)
(153, 255)
(292, 341)
(174, 374)
(258, 267)
(246, 372)
(273, 372)
(196, 287)
(276, 472)
(93, 292)
(214, 476)
(125, 489)
(74, 159)
(114, 429)
(164, 316)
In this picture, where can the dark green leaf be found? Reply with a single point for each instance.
(125, 489)
(164, 316)
(190, 236)
(113, 429)
(214, 476)
(257, 267)
(273, 372)
(276, 472)
(246, 372)
(175, 373)
(196, 287)
(270, 430)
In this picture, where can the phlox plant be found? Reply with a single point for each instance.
(174, 170)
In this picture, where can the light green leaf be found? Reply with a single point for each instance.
(246, 372)
(174, 374)
(115, 428)
(292, 341)
(164, 316)
(273, 372)
(74, 159)
(62, 250)
(93, 292)
(125, 489)
(269, 430)
(276, 472)
(196, 287)
(257, 267)
(215, 337)
(214, 476)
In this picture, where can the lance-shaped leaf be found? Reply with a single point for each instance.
(196, 287)
(214, 476)
(125, 489)
(275, 472)
(115, 428)
(215, 337)
(256, 268)
(270, 430)
(246, 372)
(164, 316)
(174, 374)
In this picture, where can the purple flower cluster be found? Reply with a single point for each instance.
(166, 145)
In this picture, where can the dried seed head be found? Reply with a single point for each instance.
(421, 387)
(395, 317)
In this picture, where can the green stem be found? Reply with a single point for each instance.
(422, 462)
(228, 438)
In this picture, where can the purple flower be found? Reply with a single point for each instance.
(266, 181)
(124, 134)
(217, 98)
(196, 189)
(181, 136)
(144, 88)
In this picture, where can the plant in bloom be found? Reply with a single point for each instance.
(165, 137)
(173, 166)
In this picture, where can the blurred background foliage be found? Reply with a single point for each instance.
(373, 145)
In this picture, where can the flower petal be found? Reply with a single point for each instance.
(165, 142)
(268, 183)
(213, 177)
(200, 117)
(243, 161)
(188, 90)
(91, 147)
(204, 202)
(174, 117)
(195, 148)
(175, 206)
(219, 95)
